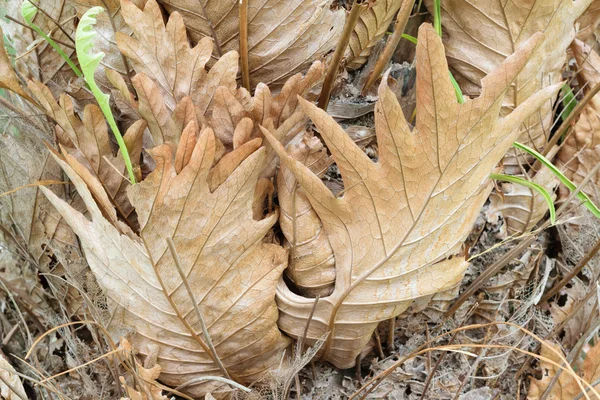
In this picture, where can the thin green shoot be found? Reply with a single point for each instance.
(569, 101)
(533, 186)
(28, 12)
(410, 38)
(84, 41)
(437, 16)
(587, 202)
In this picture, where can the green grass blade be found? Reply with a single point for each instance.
(89, 63)
(569, 101)
(587, 202)
(28, 12)
(534, 186)
(437, 16)
(410, 38)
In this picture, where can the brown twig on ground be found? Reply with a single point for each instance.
(332, 70)
(582, 263)
(390, 46)
(244, 44)
(53, 20)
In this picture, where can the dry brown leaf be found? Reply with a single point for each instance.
(397, 231)
(88, 141)
(8, 377)
(580, 153)
(146, 386)
(588, 24)
(520, 207)
(312, 264)
(566, 387)
(284, 38)
(475, 49)
(372, 25)
(168, 93)
(232, 273)
(8, 77)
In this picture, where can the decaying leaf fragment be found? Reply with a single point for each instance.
(566, 387)
(476, 49)
(284, 38)
(397, 231)
(8, 377)
(219, 246)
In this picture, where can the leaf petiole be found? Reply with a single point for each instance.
(89, 63)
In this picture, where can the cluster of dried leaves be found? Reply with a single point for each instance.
(231, 246)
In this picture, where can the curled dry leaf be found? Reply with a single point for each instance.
(476, 49)
(146, 386)
(284, 38)
(397, 231)
(219, 247)
(566, 387)
(311, 265)
(372, 25)
(581, 152)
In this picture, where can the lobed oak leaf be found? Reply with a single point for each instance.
(397, 231)
(231, 272)
(284, 38)
(476, 49)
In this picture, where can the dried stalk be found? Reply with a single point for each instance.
(390, 46)
(244, 44)
(332, 70)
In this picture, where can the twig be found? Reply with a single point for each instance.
(332, 70)
(390, 46)
(16, 21)
(209, 343)
(53, 20)
(213, 378)
(244, 44)
(568, 121)
(580, 265)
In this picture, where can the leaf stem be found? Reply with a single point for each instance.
(332, 70)
(28, 12)
(89, 63)
(390, 46)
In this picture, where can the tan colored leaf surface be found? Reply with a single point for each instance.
(312, 264)
(7, 375)
(588, 24)
(284, 38)
(371, 26)
(580, 152)
(566, 387)
(231, 272)
(521, 207)
(474, 49)
(8, 77)
(397, 231)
